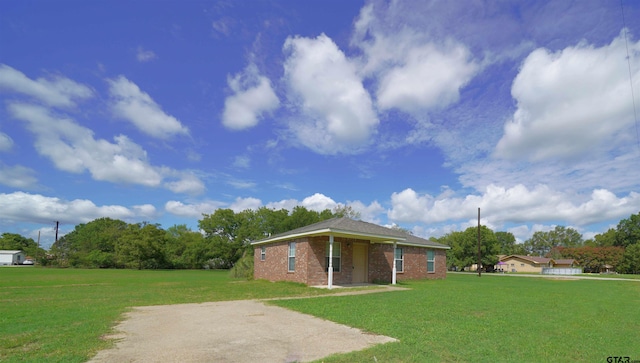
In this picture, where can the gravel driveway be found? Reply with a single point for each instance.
(231, 331)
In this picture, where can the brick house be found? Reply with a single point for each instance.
(361, 252)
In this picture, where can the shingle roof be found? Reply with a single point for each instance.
(355, 228)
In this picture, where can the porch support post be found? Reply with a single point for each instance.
(330, 277)
(393, 270)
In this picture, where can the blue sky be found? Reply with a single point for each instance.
(412, 113)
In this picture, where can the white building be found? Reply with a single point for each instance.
(11, 257)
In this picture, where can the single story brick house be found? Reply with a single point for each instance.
(361, 252)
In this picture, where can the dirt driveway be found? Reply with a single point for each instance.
(231, 331)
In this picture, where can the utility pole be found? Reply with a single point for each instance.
(58, 224)
(479, 259)
(36, 260)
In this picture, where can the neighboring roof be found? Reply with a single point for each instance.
(568, 261)
(539, 260)
(534, 259)
(9, 252)
(346, 227)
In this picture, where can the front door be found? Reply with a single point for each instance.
(359, 263)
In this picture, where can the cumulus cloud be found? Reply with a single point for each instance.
(414, 74)
(241, 204)
(6, 143)
(336, 113)
(134, 105)
(427, 77)
(57, 91)
(192, 210)
(17, 176)
(73, 148)
(186, 182)
(517, 204)
(36, 208)
(252, 98)
(571, 102)
(144, 56)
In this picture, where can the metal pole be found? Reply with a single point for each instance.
(36, 260)
(479, 259)
(57, 224)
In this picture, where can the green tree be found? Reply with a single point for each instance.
(628, 231)
(90, 245)
(142, 246)
(605, 239)
(631, 259)
(221, 231)
(346, 211)
(541, 243)
(507, 243)
(186, 248)
(464, 247)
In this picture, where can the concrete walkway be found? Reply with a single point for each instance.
(233, 331)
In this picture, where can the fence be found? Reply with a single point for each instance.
(561, 271)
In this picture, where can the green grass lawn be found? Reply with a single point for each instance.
(59, 315)
(491, 319)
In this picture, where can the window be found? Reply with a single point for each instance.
(431, 261)
(522, 265)
(292, 256)
(399, 260)
(263, 253)
(336, 257)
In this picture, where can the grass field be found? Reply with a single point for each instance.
(59, 315)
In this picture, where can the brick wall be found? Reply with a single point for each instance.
(276, 264)
(311, 262)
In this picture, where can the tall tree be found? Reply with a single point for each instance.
(464, 247)
(628, 231)
(90, 245)
(541, 243)
(507, 243)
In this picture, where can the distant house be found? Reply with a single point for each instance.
(533, 264)
(11, 257)
(346, 251)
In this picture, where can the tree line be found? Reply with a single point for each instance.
(222, 239)
(618, 247)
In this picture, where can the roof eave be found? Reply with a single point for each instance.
(326, 231)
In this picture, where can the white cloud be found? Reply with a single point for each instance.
(17, 176)
(241, 204)
(194, 210)
(136, 106)
(517, 204)
(336, 113)
(368, 213)
(571, 102)
(414, 74)
(318, 202)
(428, 77)
(144, 56)
(6, 143)
(187, 183)
(252, 98)
(73, 148)
(36, 208)
(57, 91)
